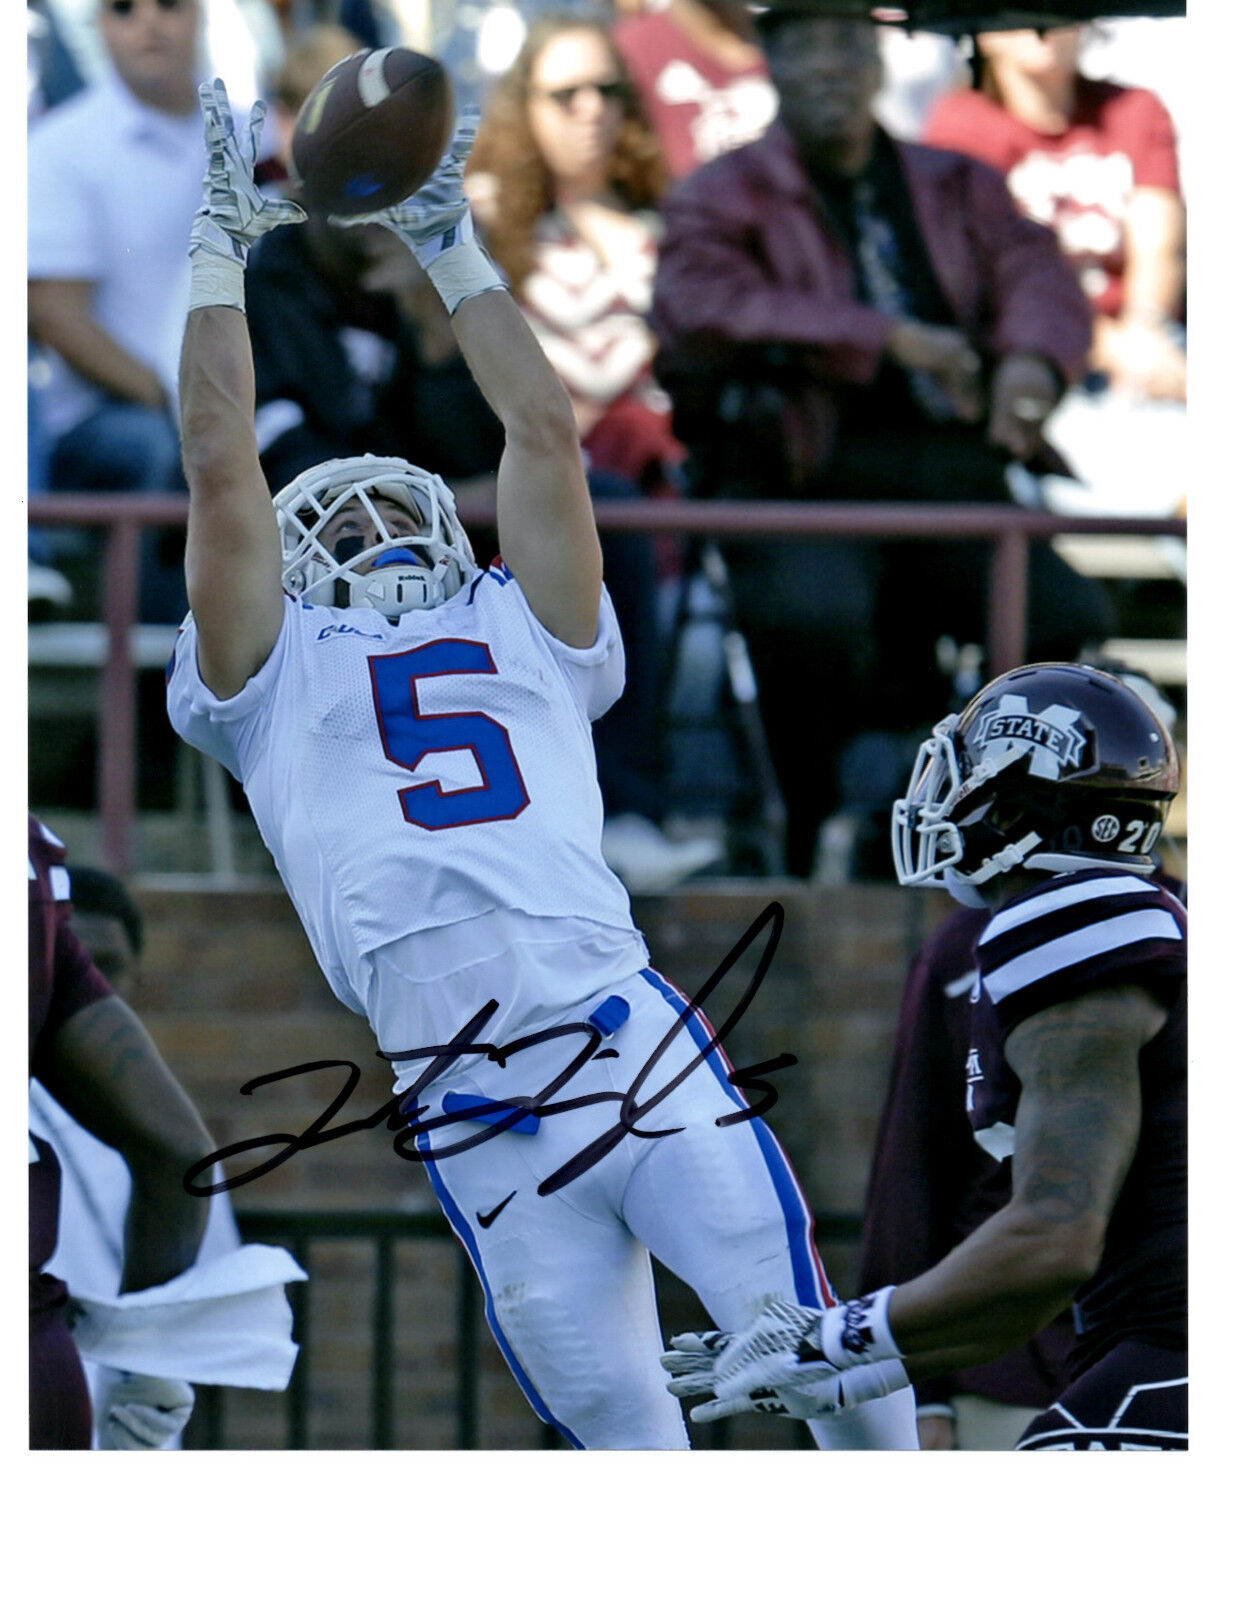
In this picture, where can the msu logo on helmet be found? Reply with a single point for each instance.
(1051, 737)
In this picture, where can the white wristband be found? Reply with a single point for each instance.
(216, 280)
(462, 271)
(858, 1330)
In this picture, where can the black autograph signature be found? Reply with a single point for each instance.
(406, 1120)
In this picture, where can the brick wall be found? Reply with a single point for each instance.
(230, 990)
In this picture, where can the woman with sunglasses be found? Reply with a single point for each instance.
(565, 177)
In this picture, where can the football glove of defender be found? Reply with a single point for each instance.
(139, 1412)
(234, 212)
(792, 1361)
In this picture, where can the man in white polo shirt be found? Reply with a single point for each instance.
(114, 180)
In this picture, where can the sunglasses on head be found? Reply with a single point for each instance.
(564, 98)
(125, 8)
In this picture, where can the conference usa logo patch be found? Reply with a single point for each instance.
(1052, 736)
(336, 629)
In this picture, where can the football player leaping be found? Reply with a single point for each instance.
(1042, 800)
(413, 736)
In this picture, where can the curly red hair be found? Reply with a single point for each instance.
(506, 151)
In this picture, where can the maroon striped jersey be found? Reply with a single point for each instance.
(1068, 936)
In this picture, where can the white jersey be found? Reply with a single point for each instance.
(427, 788)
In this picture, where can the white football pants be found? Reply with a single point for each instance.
(567, 1275)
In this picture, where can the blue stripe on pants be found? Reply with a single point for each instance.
(797, 1219)
(456, 1219)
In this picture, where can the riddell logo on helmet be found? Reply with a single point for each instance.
(1050, 735)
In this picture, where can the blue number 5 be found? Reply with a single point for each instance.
(409, 735)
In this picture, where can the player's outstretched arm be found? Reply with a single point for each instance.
(546, 529)
(233, 561)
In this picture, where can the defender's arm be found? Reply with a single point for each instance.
(1077, 1127)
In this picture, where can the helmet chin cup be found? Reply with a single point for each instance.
(398, 583)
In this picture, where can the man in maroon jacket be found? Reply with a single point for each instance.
(844, 316)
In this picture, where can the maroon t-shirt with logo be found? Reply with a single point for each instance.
(698, 108)
(1077, 182)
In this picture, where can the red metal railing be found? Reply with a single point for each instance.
(121, 517)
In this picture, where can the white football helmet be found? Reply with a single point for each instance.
(410, 572)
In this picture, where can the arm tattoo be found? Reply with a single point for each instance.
(113, 1039)
(1080, 1111)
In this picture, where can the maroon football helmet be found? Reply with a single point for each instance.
(1052, 768)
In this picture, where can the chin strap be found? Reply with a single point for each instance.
(1005, 860)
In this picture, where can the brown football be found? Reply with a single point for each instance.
(372, 131)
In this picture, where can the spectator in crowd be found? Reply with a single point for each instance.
(846, 317)
(241, 40)
(566, 176)
(1096, 162)
(95, 1187)
(52, 75)
(351, 348)
(700, 75)
(114, 176)
(91, 1053)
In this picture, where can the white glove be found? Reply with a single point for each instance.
(143, 1413)
(436, 225)
(234, 212)
(777, 1366)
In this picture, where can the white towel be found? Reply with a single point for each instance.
(223, 1321)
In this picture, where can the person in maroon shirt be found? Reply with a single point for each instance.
(1097, 163)
(91, 1052)
(700, 76)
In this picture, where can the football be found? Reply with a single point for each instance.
(371, 131)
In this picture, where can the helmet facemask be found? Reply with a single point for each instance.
(403, 571)
(927, 839)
